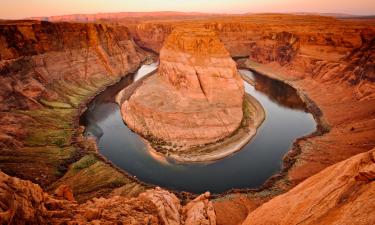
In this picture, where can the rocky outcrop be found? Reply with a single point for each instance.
(200, 211)
(35, 55)
(340, 194)
(22, 202)
(64, 191)
(48, 70)
(195, 98)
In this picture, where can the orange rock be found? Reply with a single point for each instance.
(200, 211)
(167, 204)
(340, 194)
(22, 202)
(195, 98)
(42, 64)
(65, 192)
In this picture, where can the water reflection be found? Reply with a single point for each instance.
(277, 91)
(248, 168)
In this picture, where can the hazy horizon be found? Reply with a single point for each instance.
(20, 9)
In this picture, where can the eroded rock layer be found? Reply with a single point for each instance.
(195, 98)
(22, 202)
(341, 194)
(47, 70)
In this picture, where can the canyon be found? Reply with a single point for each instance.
(49, 71)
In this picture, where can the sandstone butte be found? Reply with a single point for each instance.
(196, 97)
(49, 70)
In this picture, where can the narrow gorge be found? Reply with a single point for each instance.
(200, 119)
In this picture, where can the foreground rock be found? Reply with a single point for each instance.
(22, 202)
(195, 98)
(341, 194)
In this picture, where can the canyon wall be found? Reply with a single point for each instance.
(341, 194)
(331, 64)
(35, 55)
(48, 71)
(195, 98)
(308, 43)
(327, 59)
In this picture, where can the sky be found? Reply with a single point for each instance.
(17, 9)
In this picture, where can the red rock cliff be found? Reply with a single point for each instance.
(47, 71)
(34, 55)
(341, 194)
(305, 42)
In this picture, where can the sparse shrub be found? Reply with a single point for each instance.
(84, 162)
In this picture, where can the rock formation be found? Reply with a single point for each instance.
(22, 202)
(340, 194)
(195, 98)
(48, 70)
(326, 59)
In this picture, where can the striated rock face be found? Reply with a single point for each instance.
(195, 62)
(34, 55)
(341, 194)
(47, 70)
(195, 98)
(22, 202)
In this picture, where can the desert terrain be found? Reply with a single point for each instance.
(51, 173)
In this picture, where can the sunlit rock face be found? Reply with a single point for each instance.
(23, 202)
(196, 96)
(332, 196)
(196, 62)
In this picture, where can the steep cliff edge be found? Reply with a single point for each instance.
(340, 194)
(48, 72)
(196, 98)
